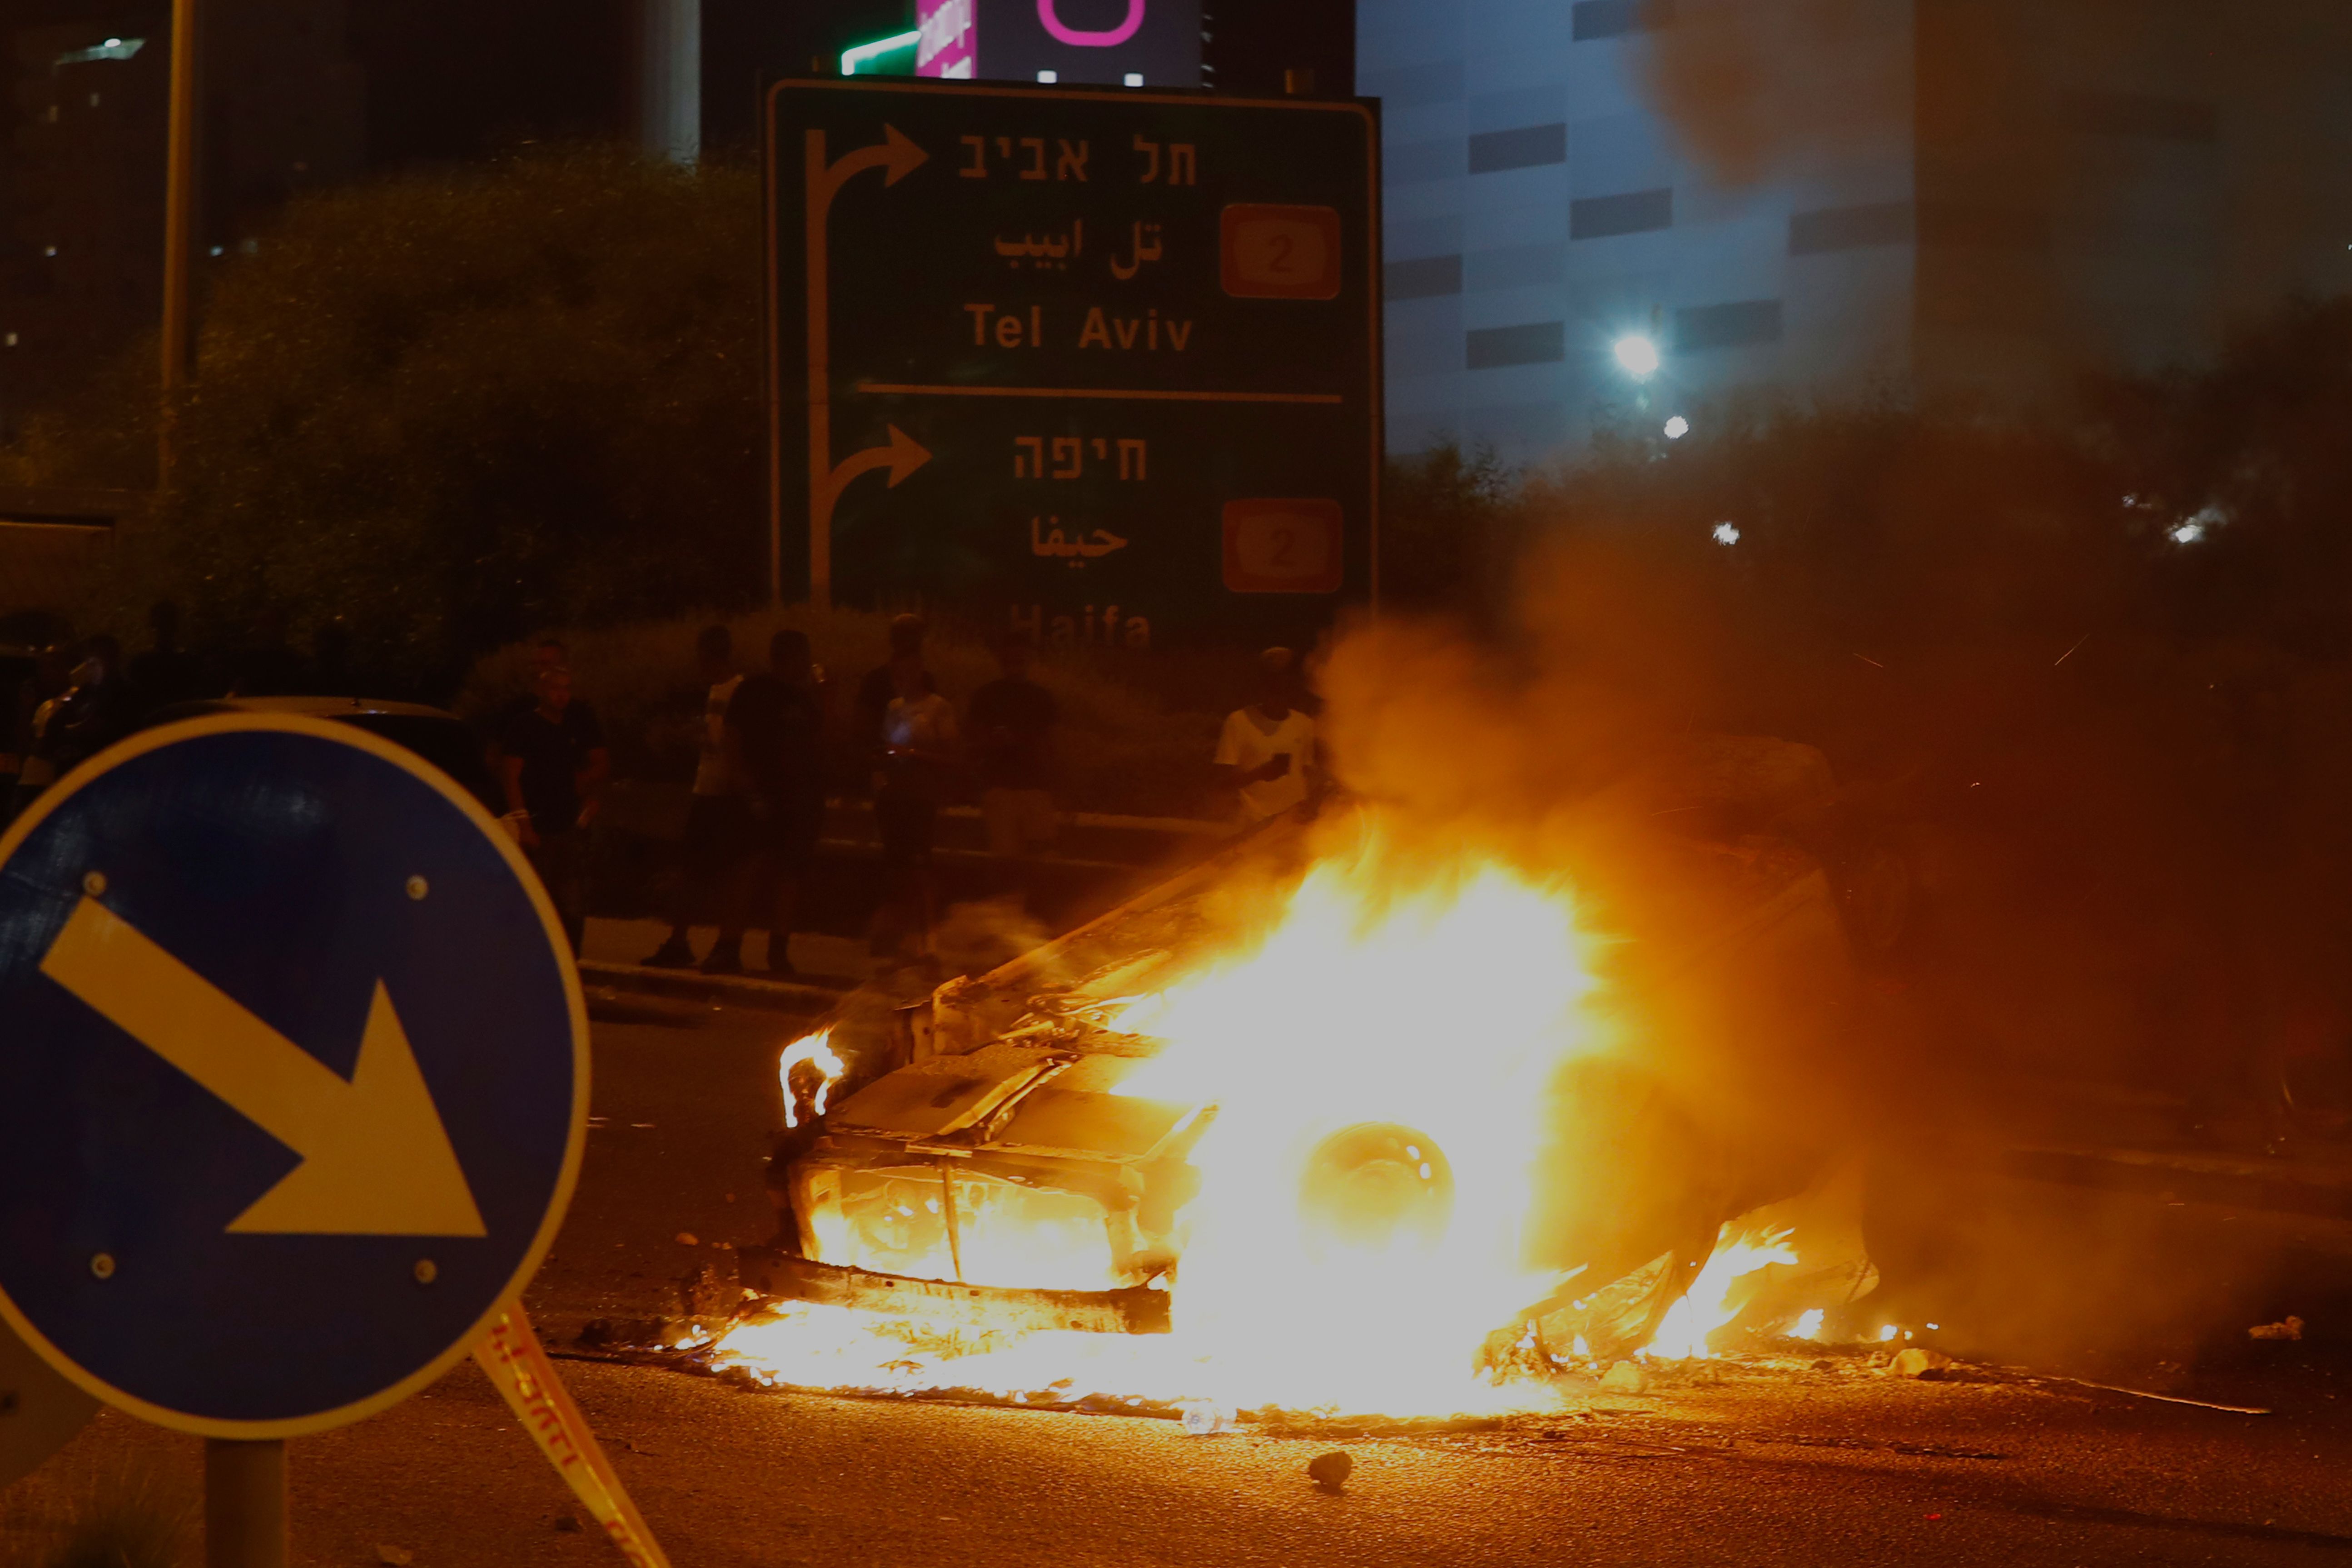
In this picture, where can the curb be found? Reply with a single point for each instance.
(794, 997)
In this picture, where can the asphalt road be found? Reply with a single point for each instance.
(1804, 1468)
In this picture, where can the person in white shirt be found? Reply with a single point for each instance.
(1266, 753)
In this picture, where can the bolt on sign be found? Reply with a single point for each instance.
(1097, 366)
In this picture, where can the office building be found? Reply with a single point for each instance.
(81, 190)
(1834, 199)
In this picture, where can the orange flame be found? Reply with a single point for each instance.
(1411, 1024)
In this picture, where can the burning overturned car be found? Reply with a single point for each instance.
(1342, 1116)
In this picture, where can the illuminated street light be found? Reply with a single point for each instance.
(1677, 427)
(1727, 533)
(1636, 355)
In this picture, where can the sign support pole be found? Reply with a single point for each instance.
(244, 1503)
(181, 226)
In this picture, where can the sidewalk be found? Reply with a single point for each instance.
(828, 967)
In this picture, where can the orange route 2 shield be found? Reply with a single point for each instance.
(293, 1076)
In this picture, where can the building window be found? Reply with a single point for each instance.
(1730, 326)
(1424, 278)
(1591, 19)
(1526, 148)
(1540, 342)
(1850, 228)
(1636, 212)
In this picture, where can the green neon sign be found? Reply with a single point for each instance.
(893, 56)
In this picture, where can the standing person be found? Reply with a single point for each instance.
(548, 653)
(915, 769)
(163, 673)
(880, 687)
(1013, 719)
(554, 761)
(91, 713)
(718, 827)
(36, 700)
(266, 667)
(779, 723)
(1267, 752)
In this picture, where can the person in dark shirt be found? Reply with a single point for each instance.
(266, 667)
(553, 761)
(163, 673)
(28, 772)
(779, 724)
(92, 713)
(880, 687)
(1011, 727)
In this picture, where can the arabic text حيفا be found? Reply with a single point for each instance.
(1078, 552)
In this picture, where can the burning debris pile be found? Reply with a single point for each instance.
(1337, 1128)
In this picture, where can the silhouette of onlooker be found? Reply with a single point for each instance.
(552, 763)
(1013, 720)
(266, 667)
(778, 718)
(330, 661)
(880, 687)
(36, 699)
(718, 827)
(91, 713)
(162, 672)
(915, 769)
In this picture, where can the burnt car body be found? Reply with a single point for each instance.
(996, 1123)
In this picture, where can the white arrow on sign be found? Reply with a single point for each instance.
(375, 1159)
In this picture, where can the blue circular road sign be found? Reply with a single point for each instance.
(293, 1074)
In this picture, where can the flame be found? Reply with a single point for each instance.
(1707, 1305)
(1411, 1019)
(817, 1049)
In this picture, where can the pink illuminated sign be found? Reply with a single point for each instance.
(944, 44)
(1132, 43)
(1102, 38)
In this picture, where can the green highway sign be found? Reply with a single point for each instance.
(1101, 365)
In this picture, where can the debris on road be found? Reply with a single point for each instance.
(1920, 1362)
(2161, 1398)
(1204, 1417)
(1330, 1471)
(686, 1238)
(2292, 1328)
(394, 1556)
(1626, 1377)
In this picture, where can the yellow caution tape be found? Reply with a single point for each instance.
(518, 1365)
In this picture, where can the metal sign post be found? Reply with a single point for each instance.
(1099, 365)
(294, 1090)
(244, 1503)
(182, 199)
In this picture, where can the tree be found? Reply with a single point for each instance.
(453, 406)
